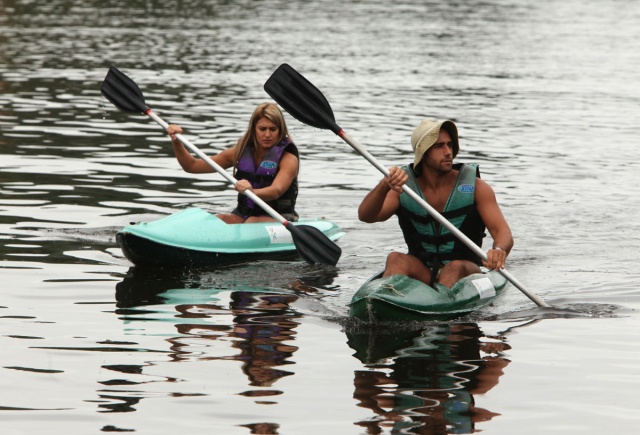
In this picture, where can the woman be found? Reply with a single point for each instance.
(265, 161)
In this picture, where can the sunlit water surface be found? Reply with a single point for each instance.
(546, 97)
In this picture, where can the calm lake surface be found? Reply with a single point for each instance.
(546, 96)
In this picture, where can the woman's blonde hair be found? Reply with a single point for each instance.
(265, 110)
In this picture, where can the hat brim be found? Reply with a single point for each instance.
(451, 128)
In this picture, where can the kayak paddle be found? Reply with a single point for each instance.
(312, 244)
(307, 104)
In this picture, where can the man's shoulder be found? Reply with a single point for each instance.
(482, 189)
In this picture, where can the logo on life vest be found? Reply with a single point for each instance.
(268, 164)
(467, 188)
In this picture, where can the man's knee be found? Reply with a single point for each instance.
(396, 258)
(457, 265)
(462, 267)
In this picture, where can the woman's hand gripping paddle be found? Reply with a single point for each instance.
(307, 104)
(312, 244)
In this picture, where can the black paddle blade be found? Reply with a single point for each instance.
(123, 92)
(300, 98)
(313, 245)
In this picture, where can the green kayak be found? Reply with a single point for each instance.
(194, 237)
(399, 297)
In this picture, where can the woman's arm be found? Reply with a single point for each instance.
(195, 165)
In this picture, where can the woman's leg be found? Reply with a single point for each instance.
(230, 218)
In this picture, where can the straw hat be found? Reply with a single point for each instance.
(426, 135)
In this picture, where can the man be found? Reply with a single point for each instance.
(456, 192)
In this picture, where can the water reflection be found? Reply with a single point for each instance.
(541, 99)
(215, 310)
(425, 380)
(153, 286)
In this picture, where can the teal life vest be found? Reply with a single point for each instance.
(432, 243)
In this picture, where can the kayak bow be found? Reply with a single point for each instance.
(399, 297)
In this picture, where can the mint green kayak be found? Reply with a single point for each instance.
(399, 297)
(194, 237)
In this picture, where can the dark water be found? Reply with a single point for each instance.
(545, 95)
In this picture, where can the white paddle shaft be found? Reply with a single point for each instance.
(216, 167)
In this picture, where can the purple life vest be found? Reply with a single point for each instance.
(262, 175)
